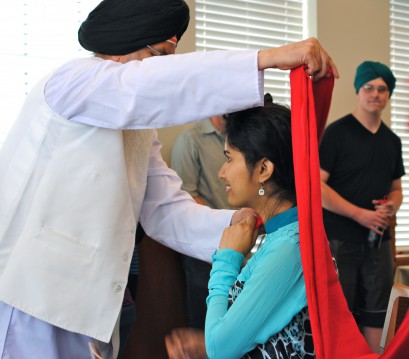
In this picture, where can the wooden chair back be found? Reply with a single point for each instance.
(397, 309)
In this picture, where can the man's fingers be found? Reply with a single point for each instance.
(174, 347)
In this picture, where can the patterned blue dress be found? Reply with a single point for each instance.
(294, 341)
(260, 310)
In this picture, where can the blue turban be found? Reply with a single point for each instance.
(370, 70)
(119, 27)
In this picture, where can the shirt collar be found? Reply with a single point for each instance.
(281, 220)
(207, 127)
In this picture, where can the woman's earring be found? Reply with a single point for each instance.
(261, 191)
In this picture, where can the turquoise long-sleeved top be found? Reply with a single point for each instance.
(273, 291)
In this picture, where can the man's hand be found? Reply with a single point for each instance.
(186, 343)
(372, 219)
(384, 206)
(308, 52)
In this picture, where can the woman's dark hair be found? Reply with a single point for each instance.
(265, 132)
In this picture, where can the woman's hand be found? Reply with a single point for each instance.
(241, 236)
(186, 343)
(241, 214)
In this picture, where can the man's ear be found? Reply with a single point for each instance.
(266, 170)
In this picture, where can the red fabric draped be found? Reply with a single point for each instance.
(335, 333)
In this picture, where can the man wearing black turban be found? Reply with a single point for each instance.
(361, 170)
(82, 166)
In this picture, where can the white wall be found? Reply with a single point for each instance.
(353, 31)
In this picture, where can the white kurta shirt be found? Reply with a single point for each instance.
(73, 181)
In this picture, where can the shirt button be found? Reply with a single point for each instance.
(117, 287)
(125, 257)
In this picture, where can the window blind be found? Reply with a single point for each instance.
(399, 52)
(254, 24)
(37, 36)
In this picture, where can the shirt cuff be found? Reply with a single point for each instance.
(225, 269)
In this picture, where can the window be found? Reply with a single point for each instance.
(399, 48)
(254, 24)
(37, 36)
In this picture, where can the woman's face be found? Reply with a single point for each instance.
(241, 187)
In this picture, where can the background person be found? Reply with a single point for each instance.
(361, 163)
(197, 156)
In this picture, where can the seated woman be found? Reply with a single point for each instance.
(259, 310)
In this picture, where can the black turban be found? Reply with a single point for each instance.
(119, 27)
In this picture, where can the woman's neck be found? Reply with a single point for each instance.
(273, 208)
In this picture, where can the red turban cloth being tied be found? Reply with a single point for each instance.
(119, 27)
(334, 330)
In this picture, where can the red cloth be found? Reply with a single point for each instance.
(335, 333)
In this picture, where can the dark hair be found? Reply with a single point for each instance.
(265, 132)
(268, 99)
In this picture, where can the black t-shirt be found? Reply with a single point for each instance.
(362, 166)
